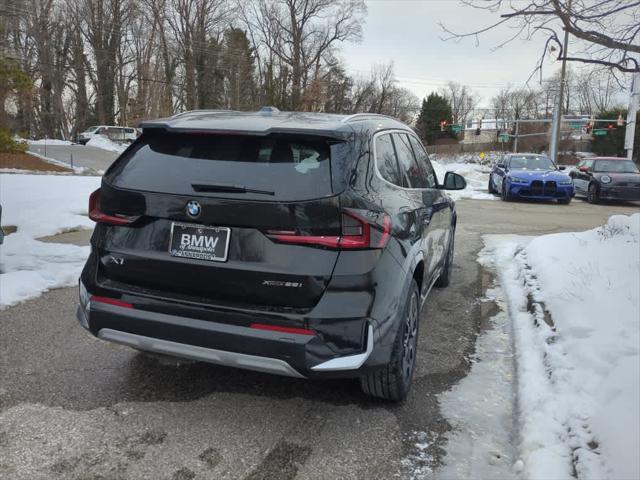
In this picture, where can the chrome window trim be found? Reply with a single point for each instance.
(375, 160)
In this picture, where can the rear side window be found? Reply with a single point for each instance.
(281, 167)
(424, 164)
(386, 160)
(414, 177)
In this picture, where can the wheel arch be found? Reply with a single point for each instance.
(418, 275)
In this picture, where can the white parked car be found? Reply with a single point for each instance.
(114, 133)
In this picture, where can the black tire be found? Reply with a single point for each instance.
(394, 381)
(445, 277)
(564, 201)
(592, 194)
(505, 192)
(490, 188)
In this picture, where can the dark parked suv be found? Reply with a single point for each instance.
(292, 243)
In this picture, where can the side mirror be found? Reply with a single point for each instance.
(453, 181)
(562, 167)
(584, 169)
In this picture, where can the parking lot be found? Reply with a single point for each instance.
(76, 407)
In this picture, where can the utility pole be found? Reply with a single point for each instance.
(555, 133)
(515, 140)
(634, 104)
(553, 150)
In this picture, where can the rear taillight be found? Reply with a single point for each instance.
(357, 233)
(98, 216)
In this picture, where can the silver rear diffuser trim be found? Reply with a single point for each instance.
(210, 355)
(350, 362)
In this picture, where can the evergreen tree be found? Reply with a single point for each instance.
(435, 109)
(239, 67)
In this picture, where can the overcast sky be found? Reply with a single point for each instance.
(408, 33)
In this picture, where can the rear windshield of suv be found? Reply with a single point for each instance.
(275, 167)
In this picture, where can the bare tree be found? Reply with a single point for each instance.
(596, 89)
(604, 32)
(299, 32)
(463, 101)
(514, 104)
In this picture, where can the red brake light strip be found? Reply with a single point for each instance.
(277, 328)
(111, 301)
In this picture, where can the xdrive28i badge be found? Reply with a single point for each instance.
(193, 209)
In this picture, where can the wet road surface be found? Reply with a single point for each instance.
(74, 407)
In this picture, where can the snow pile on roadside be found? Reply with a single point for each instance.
(574, 300)
(40, 205)
(476, 175)
(100, 141)
(29, 267)
(49, 141)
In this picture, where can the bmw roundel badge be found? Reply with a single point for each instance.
(193, 209)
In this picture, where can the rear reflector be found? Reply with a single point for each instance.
(357, 234)
(277, 328)
(111, 301)
(99, 217)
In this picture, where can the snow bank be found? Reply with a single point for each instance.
(476, 175)
(49, 141)
(574, 300)
(29, 267)
(42, 205)
(100, 141)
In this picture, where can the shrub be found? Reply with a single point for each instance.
(10, 145)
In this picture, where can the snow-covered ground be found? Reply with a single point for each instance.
(574, 304)
(40, 205)
(467, 165)
(49, 141)
(100, 141)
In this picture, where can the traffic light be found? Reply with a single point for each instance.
(443, 125)
(610, 128)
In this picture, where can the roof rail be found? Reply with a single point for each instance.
(187, 112)
(355, 116)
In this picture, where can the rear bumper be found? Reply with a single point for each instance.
(620, 193)
(281, 353)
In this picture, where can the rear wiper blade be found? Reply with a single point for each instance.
(208, 187)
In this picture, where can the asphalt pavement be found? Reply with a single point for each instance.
(74, 407)
(94, 158)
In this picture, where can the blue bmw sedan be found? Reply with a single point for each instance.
(529, 175)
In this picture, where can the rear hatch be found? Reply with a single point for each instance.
(203, 214)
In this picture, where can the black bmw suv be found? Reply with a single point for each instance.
(298, 244)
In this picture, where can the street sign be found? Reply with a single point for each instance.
(600, 132)
(504, 137)
(576, 125)
(456, 128)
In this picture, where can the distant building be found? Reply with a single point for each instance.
(484, 130)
